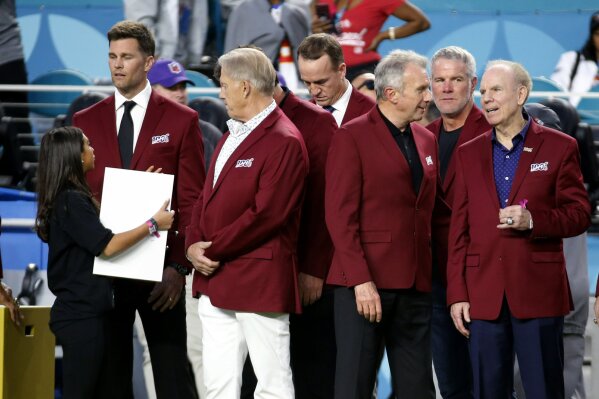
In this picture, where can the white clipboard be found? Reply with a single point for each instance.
(129, 198)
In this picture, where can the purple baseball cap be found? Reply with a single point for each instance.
(167, 73)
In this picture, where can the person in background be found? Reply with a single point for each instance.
(453, 80)
(364, 83)
(193, 28)
(275, 26)
(518, 192)
(134, 128)
(161, 17)
(357, 25)
(68, 220)
(578, 71)
(12, 71)
(168, 79)
(322, 69)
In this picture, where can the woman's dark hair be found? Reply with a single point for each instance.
(60, 168)
(588, 50)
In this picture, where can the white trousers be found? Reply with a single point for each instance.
(228, 336)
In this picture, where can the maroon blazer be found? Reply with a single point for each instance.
(475, 125)
(358, 105)
(315, 249)
(487, 264)
(380, 228)
(252, 218)
(182, 155)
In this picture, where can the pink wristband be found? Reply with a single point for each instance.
(152, 228)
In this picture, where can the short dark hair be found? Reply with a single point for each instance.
(133, 30)
(315, 46)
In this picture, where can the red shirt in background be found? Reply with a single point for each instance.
(359, 25)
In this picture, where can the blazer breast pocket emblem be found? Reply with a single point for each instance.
(163, 138)
(244, 163)
(536, 167)
(429, 160)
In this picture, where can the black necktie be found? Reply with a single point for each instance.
(329, 108)
(126, 135)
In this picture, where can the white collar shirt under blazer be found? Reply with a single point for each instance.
(238, 131)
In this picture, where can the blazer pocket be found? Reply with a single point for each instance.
(473, 260)
(548, 257)
(164, 150)
(259, 253)
(375, 236)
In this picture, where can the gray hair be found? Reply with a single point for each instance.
(521, 75)
(389, 72)
(458, 54)
(251, 65)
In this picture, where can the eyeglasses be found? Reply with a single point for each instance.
(368, 83)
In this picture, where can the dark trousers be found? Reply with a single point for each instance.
(450, 350)
(313, 349)
(312, 352)
(167, 342)
(84, 364)
(538, 345)
(405, 333)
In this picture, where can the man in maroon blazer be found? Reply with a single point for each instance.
(322, 69)
(244, 233)
(453, 75)
(152, 131)
(312, 331)
(518, 192)
(381, 189)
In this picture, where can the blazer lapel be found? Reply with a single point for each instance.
(108, 125)
(253, 137)
(469, 131)
(384, 137)
(533, 141)
(422, 155)
(486, 155)
(148, 128)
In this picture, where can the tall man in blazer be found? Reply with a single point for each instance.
(243, 237)
(322, 69)
(312, 332)
(381, 189)
(136, 128)
(453, 76)
(518, 192)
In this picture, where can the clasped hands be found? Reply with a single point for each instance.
(204, 265)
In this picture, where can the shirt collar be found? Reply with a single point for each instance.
(341, 104)
(141, 99)
(237, 128)
(521, 136)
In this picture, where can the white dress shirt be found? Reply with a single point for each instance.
(341, 104)
(238, 131)
(137, 113)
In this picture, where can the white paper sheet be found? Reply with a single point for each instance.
(129, 198)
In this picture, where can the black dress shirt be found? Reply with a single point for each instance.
(405, 141)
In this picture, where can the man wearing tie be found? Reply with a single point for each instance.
(322, 69)
(134, 129)
(518, 192)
